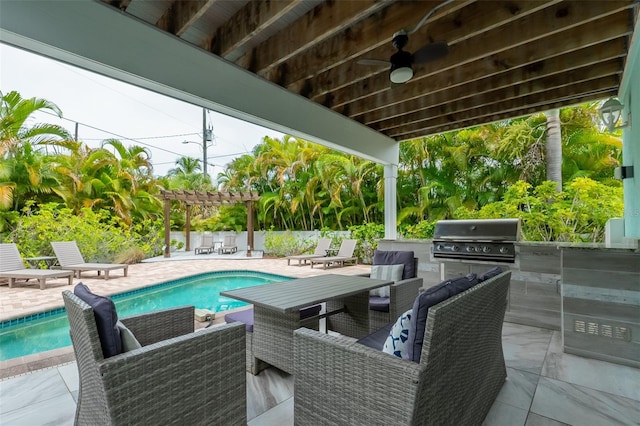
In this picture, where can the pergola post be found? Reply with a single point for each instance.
(249, 227)
(167, 228)
(187, 226)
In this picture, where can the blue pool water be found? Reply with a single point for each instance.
(50, 330)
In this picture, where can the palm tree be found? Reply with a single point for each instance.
(187, 175)
(25, 170)
(554, 148)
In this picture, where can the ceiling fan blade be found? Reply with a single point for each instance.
(431, 52)
(375, 62)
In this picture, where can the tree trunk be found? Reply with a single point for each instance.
(554, 148)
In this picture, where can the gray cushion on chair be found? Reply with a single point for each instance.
(380, 304)
(381, 257)
(433, 296)
(246, 316)
(376, 339)
(106, 317)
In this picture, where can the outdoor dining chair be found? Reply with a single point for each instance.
(153, 368)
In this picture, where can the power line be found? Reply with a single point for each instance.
(115, 134)
(149, 137)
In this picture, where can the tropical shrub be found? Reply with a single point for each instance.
(579, 213)
(100, 236)
(367, 236)
(283, 244)
(421, 230)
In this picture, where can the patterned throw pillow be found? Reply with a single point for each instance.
(385, 272)
(398, 341)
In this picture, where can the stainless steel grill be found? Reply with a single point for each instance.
(482, 239)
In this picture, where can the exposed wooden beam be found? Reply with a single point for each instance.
(254, 17)
(475, 101)
(371, 35)
(182, 14)
(595, 96)
(320, 23)
(553, 20)
(465, 85)
(392, 102)
(537, 102)
(462, 24)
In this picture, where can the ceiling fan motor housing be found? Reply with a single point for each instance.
(401, 59)
(400, 39)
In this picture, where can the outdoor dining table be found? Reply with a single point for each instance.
(276, 311)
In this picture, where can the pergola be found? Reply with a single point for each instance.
(204, 198)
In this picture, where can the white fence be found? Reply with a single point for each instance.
(241, 237)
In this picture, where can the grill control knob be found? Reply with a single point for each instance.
(470, 248)
(504, 250)
(486, 249)
(455, 248)
(439, 247)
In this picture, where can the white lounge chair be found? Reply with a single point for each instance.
(320, 251)
(12, 267)
(345, 254)
(69, 257)
(206, 244)
(228, 245)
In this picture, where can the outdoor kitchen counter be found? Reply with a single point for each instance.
(601, 303)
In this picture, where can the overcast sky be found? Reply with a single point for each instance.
(106, 108)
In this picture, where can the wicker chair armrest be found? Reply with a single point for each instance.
(194, 376)
(403, 294)
(161, 325)
(339, 381)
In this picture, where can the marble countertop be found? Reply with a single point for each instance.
(585, 246)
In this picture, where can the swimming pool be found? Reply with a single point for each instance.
(50, 330)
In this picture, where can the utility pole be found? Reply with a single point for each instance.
(204, 142)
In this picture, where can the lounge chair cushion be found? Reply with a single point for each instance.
(406, 258)
(428, 298)
(380, 304)
(397, 342)
(106, 316)
(129, 341)
(388, 273)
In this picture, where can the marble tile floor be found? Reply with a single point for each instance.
(544, 387)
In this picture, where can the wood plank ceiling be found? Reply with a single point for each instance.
(506, 58)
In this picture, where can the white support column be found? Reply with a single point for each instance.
(390, 201)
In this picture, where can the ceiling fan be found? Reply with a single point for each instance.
(401, 62)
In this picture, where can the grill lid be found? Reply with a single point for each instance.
(477, 230)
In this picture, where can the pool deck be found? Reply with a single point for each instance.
(27, 298)
(545, 386)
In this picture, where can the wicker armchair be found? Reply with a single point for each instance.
(176, 377)
(401, 297)
(461, 370)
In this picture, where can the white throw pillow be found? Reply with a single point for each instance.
(398, 341)
(385, 272)
(129, 341)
